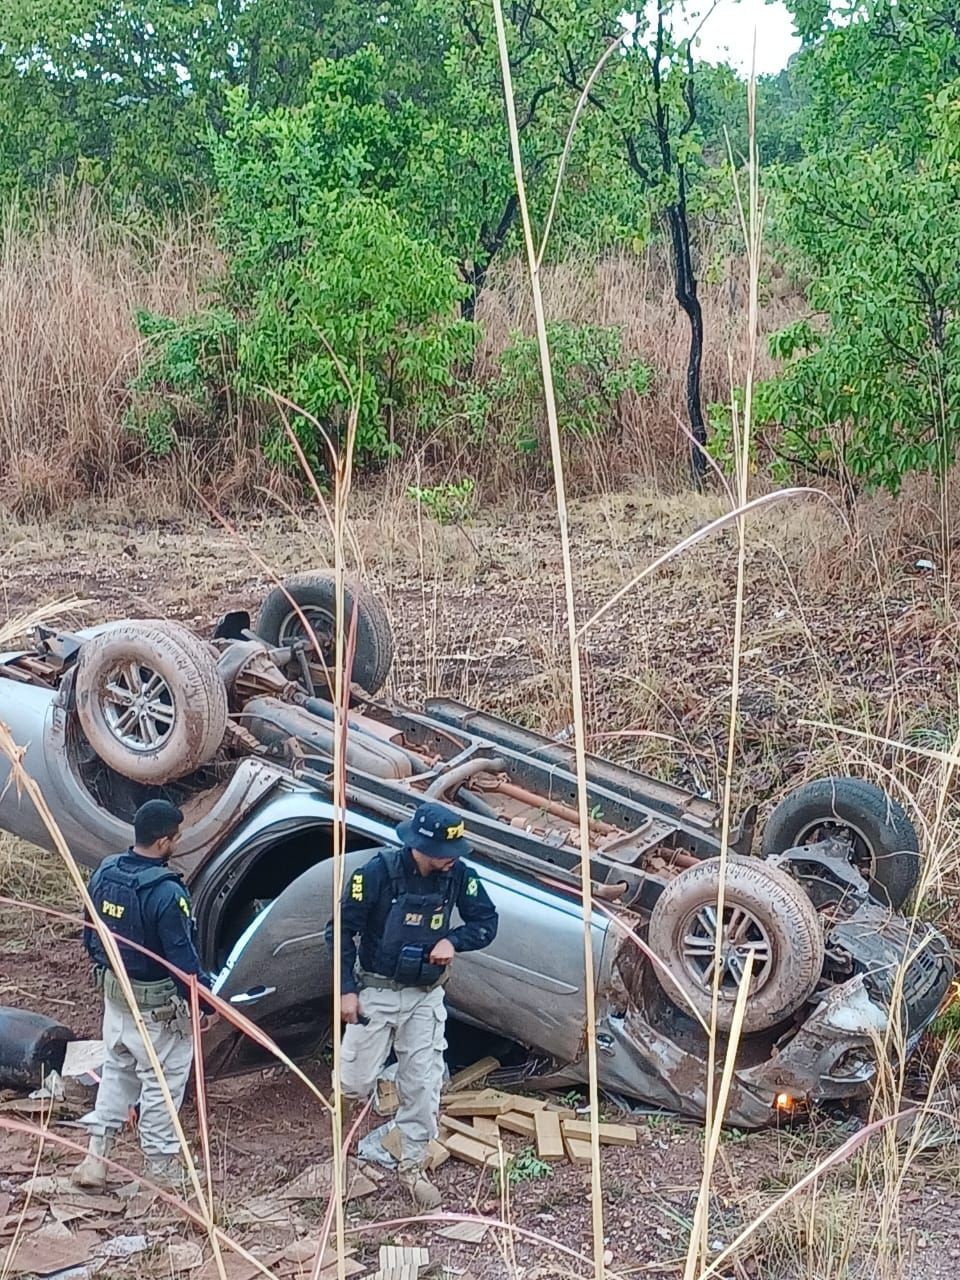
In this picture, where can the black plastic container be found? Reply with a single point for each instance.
(30, 1046)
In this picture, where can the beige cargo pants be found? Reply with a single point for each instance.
(412, 1023)
(128, 1078)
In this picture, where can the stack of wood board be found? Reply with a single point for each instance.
(473, 1123)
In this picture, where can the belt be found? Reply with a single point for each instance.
(148, 995)
(365, 979)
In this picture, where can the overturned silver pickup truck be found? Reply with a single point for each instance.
(239, 731)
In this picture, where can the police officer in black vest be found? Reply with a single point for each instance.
(142, 899)
(400, 907)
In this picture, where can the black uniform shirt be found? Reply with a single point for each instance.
(168, 919)
(366, 903)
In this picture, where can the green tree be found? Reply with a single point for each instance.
(869, 387)
(128, 90)
(459, 183)
(667, 114)
(327, 295)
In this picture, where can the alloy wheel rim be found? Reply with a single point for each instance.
(742, 934)
(138, 706)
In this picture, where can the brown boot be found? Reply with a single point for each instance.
(350, 1108)
(170, 1173)
(91, 1172)
(165, 1171)
(424, 1194)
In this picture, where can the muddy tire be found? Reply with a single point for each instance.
(764, 911)
(315, 596)
(883, 841)
(150, 700)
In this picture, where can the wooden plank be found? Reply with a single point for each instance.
(316, 1182)
(391, 1142)
(469, 1150)
(460, 1103)
(387, 1101)
(468, 1131)
(611, 1135)
(565, 1113)
(549, 1135)
(472, 1075)
(489, 1106)
(437, 1154)
(578, 1151)
(485, 1128)
(350, 1268)
(393, 1255)
(517, 1122)
(519, 1102)
(488, 1103)
(465, 1232)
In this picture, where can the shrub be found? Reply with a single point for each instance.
(326, 298)
(590, 377)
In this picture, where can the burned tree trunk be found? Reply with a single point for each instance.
(491, 242)
(685, 288)
(668, 137)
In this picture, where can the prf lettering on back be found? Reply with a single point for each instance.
(111, 909)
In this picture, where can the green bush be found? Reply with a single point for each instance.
(590, 376)
(451, 502)
(327, 299)
(181, 389)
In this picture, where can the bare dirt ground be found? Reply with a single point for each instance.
(844, 629)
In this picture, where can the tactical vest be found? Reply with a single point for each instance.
(117, 898)
(414, 924)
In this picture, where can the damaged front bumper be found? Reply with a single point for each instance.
(832, 1055)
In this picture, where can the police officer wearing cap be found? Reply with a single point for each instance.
(143, 900)
(400, 907)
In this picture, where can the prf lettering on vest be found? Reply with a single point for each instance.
(356, 888)
(111, 909)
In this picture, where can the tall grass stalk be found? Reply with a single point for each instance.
(343, 474)
(25, 783)
(751, 225)
(576, 691)
(341, 466)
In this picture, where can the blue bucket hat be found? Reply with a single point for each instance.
(435, 831)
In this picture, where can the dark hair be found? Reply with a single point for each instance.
(154, 820)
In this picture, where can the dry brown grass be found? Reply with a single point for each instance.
(635, 292)
(72, 279)
(29, 875)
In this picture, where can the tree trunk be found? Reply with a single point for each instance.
(474, 277)
(685, 282)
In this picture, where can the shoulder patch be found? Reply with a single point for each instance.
(184, 905)
(472, 885)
